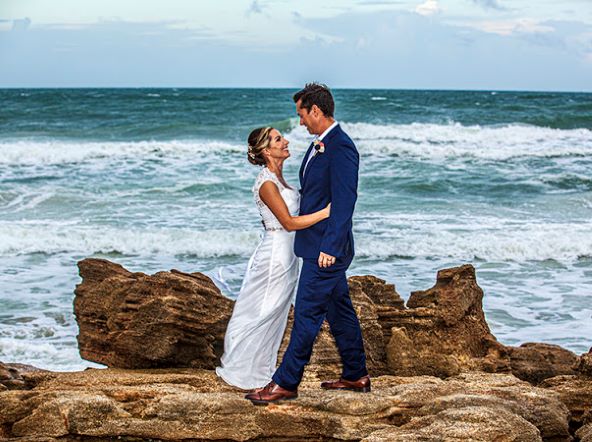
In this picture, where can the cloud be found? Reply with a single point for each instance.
(20, 24)
(380, 49)
(411, 50)
(489, 4)
(429, 7)
(255, 8)
(517, 26)
(379, 2)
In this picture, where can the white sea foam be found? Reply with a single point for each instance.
(25, 238)
(537, 245)
(43, 354)
(60, 152)
(506, 241)
(466, 238)
(26, 201)
(442, 141)
(432, 141)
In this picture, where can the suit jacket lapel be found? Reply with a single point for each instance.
(304, 164)
(306, 172)
(326, 140)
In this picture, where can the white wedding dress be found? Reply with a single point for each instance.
(260, 314)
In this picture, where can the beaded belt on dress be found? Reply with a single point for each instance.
(271, 229)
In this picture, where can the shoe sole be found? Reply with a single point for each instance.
(258, 402)
(357, 390)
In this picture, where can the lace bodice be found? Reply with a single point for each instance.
(290, 196)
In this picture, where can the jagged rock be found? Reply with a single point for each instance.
(133, 320)
(179, 404)
(575, 392)
(384, 297)
(584, 433)
(371, 298)
(585, 364)
(17, 376)
(443, 331)
(474, 423)
(534, 362)
(181, 318)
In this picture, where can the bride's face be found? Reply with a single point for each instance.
(278, 146)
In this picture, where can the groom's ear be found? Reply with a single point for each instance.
(316, 111)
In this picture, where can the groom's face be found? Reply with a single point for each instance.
(307, 119)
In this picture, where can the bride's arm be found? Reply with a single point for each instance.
(270, 195)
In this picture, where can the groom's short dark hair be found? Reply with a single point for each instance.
(316, 93)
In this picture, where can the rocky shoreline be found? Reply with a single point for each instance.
(438, 372)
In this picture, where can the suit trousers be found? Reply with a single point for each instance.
(323, 293)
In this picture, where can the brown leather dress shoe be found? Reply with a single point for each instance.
(271, 393)
(362, 385)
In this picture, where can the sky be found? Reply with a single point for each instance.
(399, 44)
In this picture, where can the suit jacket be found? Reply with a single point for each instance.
(330, 177)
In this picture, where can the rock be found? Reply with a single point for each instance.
(529, 402)
(468, 423)
(133, 320)
(443, 330)
(535, 362)
(386, 302)
(584, 433)
(182, 318)
(366, 292)
(18, 376)
(585, 364)
(575, 392)
(177, 404)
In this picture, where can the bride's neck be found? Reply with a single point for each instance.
(275, 167)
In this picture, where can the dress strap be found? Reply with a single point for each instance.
(266, 175)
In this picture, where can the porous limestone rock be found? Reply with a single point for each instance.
(134, 320)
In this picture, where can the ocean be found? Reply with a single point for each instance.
(156, 179)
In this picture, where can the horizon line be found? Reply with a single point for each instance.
(299, 87)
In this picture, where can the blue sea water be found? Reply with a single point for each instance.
(157, 179)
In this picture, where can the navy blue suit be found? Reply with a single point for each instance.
(323, 293)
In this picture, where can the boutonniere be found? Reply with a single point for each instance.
(319, 146)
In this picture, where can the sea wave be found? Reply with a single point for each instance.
(64, 152)
(506, 241)
(28, 238)
(534, 244)
(442, 141)
(43, 354)
(430, 141)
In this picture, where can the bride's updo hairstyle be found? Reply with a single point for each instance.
(259, 139)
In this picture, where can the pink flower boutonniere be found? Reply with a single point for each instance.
(319, 146)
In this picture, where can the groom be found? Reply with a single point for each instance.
(329, 174)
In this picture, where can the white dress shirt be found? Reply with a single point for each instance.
(313, 151)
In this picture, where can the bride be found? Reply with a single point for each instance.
(260, 314)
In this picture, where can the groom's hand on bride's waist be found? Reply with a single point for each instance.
(326, 260)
